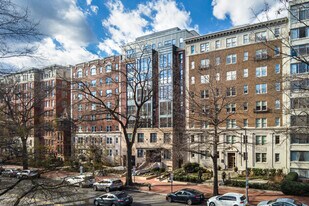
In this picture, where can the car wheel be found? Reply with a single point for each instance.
(169, 199)
(113, 204)
(212, 204)
(107, 189)
(189, 202)
(95, 188)
(96, 203)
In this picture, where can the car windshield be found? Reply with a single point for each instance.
(271, 201)
(89, 177)
(121, 195)
(242, 198)
(117, 181)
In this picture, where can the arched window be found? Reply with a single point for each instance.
(93, 70)
(79, 73)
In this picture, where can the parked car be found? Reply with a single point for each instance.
(10, 172)
(228, 199)
(281, 202)
(108, 185)
(189, 196)
(116, 198)
(28, 174)
(81, 180)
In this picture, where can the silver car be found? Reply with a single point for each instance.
(108, 185)
(281, 202)
(80, 180)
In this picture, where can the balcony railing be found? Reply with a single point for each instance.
(267, 110)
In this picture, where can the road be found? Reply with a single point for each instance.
(69, 195)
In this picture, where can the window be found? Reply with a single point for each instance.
(276, 32)
(108, 68)
(108, 128)
(153, 137)
(277, 121)
(109, 92)
(277, 51)
(218, 60)
(79, 74)
(277, 68)
(260, 157)
(93, 106)
(204, 63)
(180, 42)
(167, 154)
(261, 71)
(261, 106)
(93, 71)
(93, 83)
(192, 65)
(245, 39)
(204, 47)
(260, 122)
(246, 56)
(204, 79)
(167, 138)
(260, 36)
(140, 137)
(277, 86)
(218, 44)
(204, 94)
(192, 80)
(217, 76)
(264, 157)
(231, 91)
(246, 73)
(140, 153)
(108, 117)
(231, 59)
(231, 123)
(109, 140)
(277, 157)
(277, 104)
(260, 139)
(110, 152)
(108, 80)
(245, 122)
(245, 106)
(245, 89)
(300, 156)
(261, 88)
(261, 54)
(301, 32)
(231, 42)
(192, 49)
(230, 139)
(231, 75)
(277, 139)
(231, 108)
(80, 107)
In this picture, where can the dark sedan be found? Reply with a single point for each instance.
(117, 198)
(189, 196)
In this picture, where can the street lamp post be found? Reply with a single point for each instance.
(247, 172)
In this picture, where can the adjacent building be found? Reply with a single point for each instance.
(234, 78)
(96, 133)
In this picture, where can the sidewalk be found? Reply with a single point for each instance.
(255, 196)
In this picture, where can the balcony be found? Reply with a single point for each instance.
(204, 66)
(261, 57)
(267, 110)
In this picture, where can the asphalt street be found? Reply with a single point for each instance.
(68, 195)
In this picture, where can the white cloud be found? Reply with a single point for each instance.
(94, 9)
(124, 25)
(88, 2)
(64, 22)
(245, 11)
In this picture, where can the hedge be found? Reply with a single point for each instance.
(295, 188)
(267, 186)
(292, 176)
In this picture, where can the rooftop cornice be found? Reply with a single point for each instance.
(236, 30)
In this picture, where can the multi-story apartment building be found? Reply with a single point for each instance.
(160, 55)
(41, 98)
(234, 79)
(95, 129)
(297, 98)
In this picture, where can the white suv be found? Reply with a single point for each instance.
(108, 185)
(228, 199)
(81, 180)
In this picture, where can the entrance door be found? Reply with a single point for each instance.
(231, 160)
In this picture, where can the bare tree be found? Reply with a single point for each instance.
(18, 31)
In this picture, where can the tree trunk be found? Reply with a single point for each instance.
(129, 166)
(215, 166)
(24, 154)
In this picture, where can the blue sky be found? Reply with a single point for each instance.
(82, 30)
